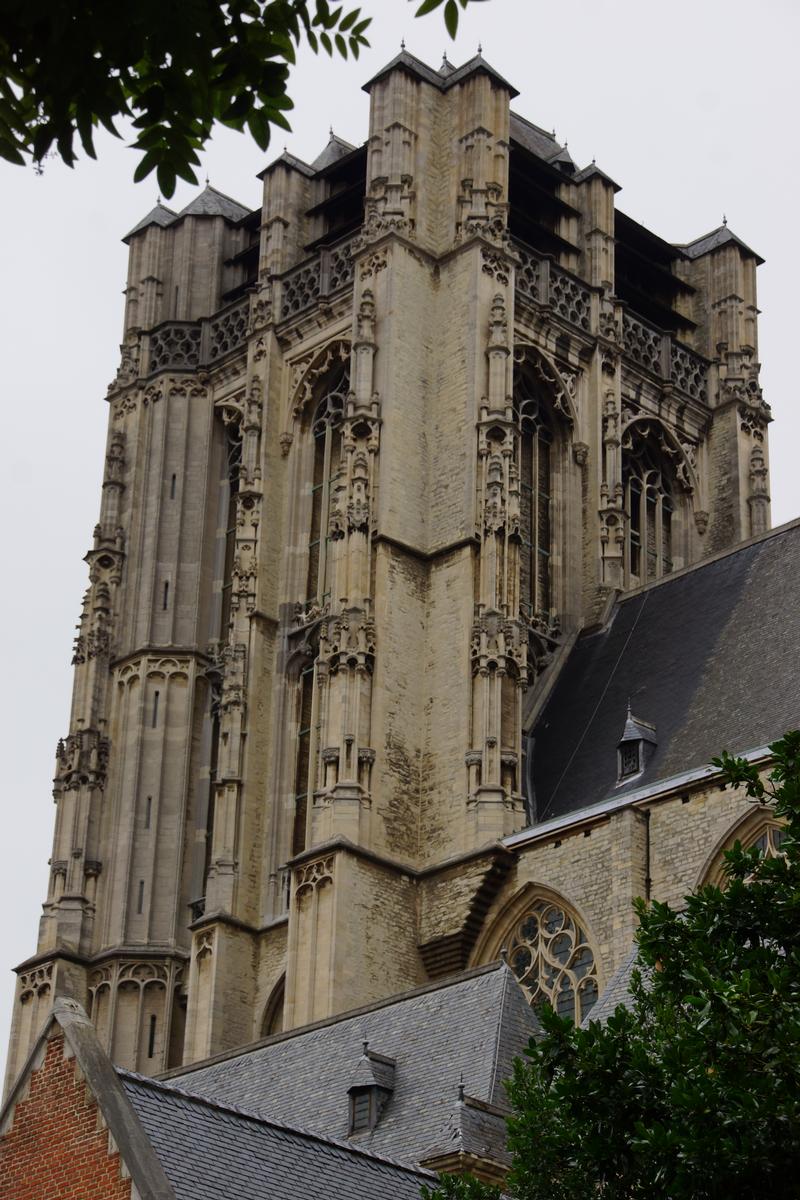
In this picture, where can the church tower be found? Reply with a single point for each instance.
(377, 453)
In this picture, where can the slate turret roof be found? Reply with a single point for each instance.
(720, 236)
(702, 655)
(473, 1026)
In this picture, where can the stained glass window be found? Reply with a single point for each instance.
(550, 956)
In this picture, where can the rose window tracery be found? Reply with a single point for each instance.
(550, 956)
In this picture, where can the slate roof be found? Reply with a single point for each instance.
(704, 655)
(442, 79)
(617, 991)
(335, 149)
(212, 1152)
(475, 1025)
(211, 203)
(160, 215)
(473, 1128)
(713, 240)
(531, 137)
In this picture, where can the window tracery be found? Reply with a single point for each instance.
(648, 482)
(758, 831)
(326, 428)
(549, 953)
(538, 438)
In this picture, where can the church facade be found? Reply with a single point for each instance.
(434, 522)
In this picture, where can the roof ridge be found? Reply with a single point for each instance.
(433, 985)
(776, 531)
(498, 1031)
(261, 1119)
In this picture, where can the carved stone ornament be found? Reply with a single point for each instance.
(580, 452)
(311, 367)
(701, 521)
(495, 264)
(312, 875)
(373, 264)
(260, 308)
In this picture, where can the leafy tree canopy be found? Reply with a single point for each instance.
(174, 67)
(692, 1093)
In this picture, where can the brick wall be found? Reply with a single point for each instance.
(55, 1148)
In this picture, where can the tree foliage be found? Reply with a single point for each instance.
(692, 1093)
(173, 67)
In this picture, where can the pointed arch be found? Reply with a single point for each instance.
(659, 490)
(272, 1017)
(682, 456)
(757, 825)
(308, 371)
(561, 383)
(549, 949)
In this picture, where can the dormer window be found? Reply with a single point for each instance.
(370, 1090)
(629, 759)
(362, 1114)
(634, 747)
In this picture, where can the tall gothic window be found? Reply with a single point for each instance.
(536, 503)
(233, 462)
(550, 955)
(326, 428)
(303, 784)
(648, 481)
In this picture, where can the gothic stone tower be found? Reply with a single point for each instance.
(376, 452)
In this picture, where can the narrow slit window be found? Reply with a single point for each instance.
(536, 502)
(155, 709)
(148, 811)
(172, 487)
(151, 1036)
(165, 604)
(140, 898)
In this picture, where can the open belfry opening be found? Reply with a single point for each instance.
(436, 497)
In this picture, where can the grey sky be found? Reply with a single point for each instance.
(689, 106)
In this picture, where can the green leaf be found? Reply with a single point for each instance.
(451, 17)
(427, 6)
(10, 153)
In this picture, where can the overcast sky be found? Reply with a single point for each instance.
(691, 107)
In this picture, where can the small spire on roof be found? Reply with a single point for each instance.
(402, 43)
(208, 181)
(480, 48)
(444, 58)
(365, 1046)
(330, 131)
(724, 219)
(461, 1088)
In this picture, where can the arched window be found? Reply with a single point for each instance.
(550, 955)
(326, 427)
(648, 482)
(536, 455)
(756, 831)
